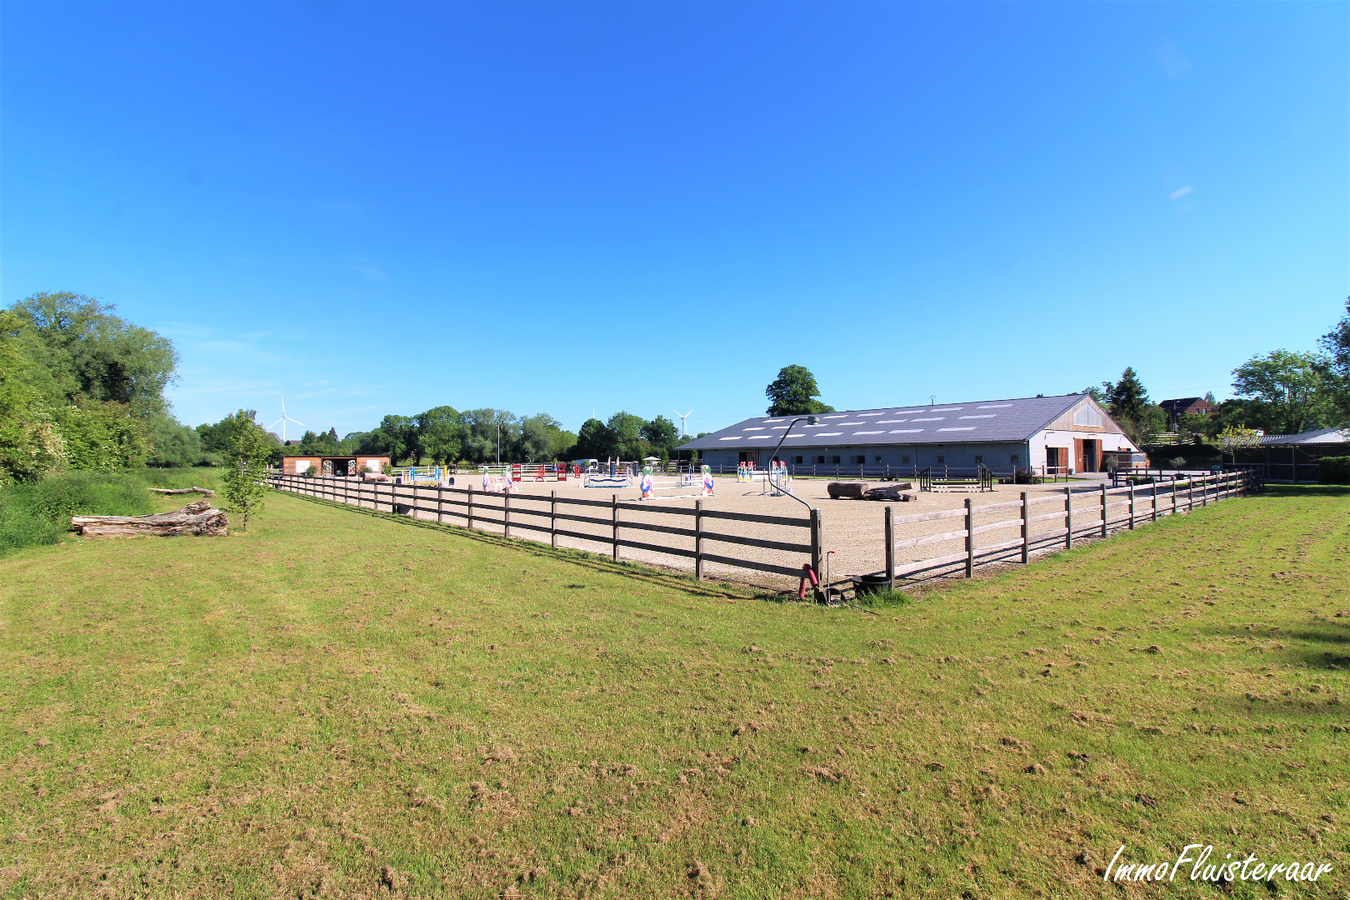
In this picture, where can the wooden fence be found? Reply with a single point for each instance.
(691, 534)
(1082, 513)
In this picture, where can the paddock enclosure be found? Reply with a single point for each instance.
(745, 533)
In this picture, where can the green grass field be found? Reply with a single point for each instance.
(338, 705)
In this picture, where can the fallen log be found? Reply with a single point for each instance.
(197, 518)
(205, 492)
(847, 490)
(888, 495)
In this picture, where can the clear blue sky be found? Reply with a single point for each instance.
(381, 207)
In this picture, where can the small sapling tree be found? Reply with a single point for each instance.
(246, 458)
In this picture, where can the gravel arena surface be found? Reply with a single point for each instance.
(852, 529)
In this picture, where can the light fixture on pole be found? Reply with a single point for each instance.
(809, 420)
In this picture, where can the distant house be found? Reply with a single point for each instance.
(335, 466)
(1175, 409)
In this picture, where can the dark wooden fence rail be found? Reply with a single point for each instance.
(697, 534)
(1078, 514)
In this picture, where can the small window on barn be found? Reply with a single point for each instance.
(820, 460)
(978, 459)
(860, 459)
(1088, 417)
(835, 460)
(1013, 459)
(797, 460)
(904, 459)
(876, 459)
(942, 460)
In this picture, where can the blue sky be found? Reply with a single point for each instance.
(382, 207)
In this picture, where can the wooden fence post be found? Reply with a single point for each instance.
(817, 554)
(1026, 529)
(440, 503)
(470, 504)
(889, 529)
(1103, 509)
(1174, 495)
(614, 506)
(553, 518)
(698, 540)
(1132, 506)
(1068, 518)
(506, 514)
(970, 538)
(414, 500)
(1153, 499)
(1190, 493)
(1204, 490)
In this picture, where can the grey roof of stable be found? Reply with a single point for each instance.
(979, 421)
(1316, 436)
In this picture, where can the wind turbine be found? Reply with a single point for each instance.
(283, 420)
(683, 431)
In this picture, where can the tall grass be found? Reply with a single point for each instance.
(39, 513)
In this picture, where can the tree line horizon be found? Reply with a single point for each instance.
(83, 389)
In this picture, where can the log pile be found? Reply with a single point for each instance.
(862, 490)
(196, 518)
(205, 492)
(888, 494)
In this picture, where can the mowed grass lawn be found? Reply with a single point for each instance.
(337, 705)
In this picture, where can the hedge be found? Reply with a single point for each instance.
(1334, 470)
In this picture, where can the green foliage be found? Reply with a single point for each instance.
(312, 444)
(479, 435)
(246, 459)
(627, 431)
(794, 393)
(1336, 343)
(39, 512)
(661, 433)
(1334, 470)
(438, 433)
(103, 436)
(1127, 397)
(594, 441)
(172, 444)
(30, 443)
(1128, 402)
(95, 356)
(540, 438)
(1293, 387)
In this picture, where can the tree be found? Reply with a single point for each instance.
(1292, 385)
(794, 393)
(594, 441)
(1231, 440)
(246, 458)
(93, 355)
(438, 433)
(30, 443)
(661, 433)
(1336, 343)
(1127, 397)
(170, 443)
(395, 437)
(540, 438)
(479, 434)
(627, 431)
(312, 444)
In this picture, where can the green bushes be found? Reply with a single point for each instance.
(39, 512)
(1334, 470)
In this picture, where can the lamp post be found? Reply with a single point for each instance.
(809, 420)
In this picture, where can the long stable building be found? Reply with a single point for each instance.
(1070, 432)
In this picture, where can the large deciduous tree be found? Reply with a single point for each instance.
(1292, 386)
(1336, 343)
(794, 393)
(594, 441)
(661, 433)
(438, 433)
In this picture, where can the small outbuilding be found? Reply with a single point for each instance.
(1295, 458)
(333, 466)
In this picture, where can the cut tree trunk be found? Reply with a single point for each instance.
(205, 492)
(195, 518)
(847, 490)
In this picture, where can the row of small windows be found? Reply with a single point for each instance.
(861, 459)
